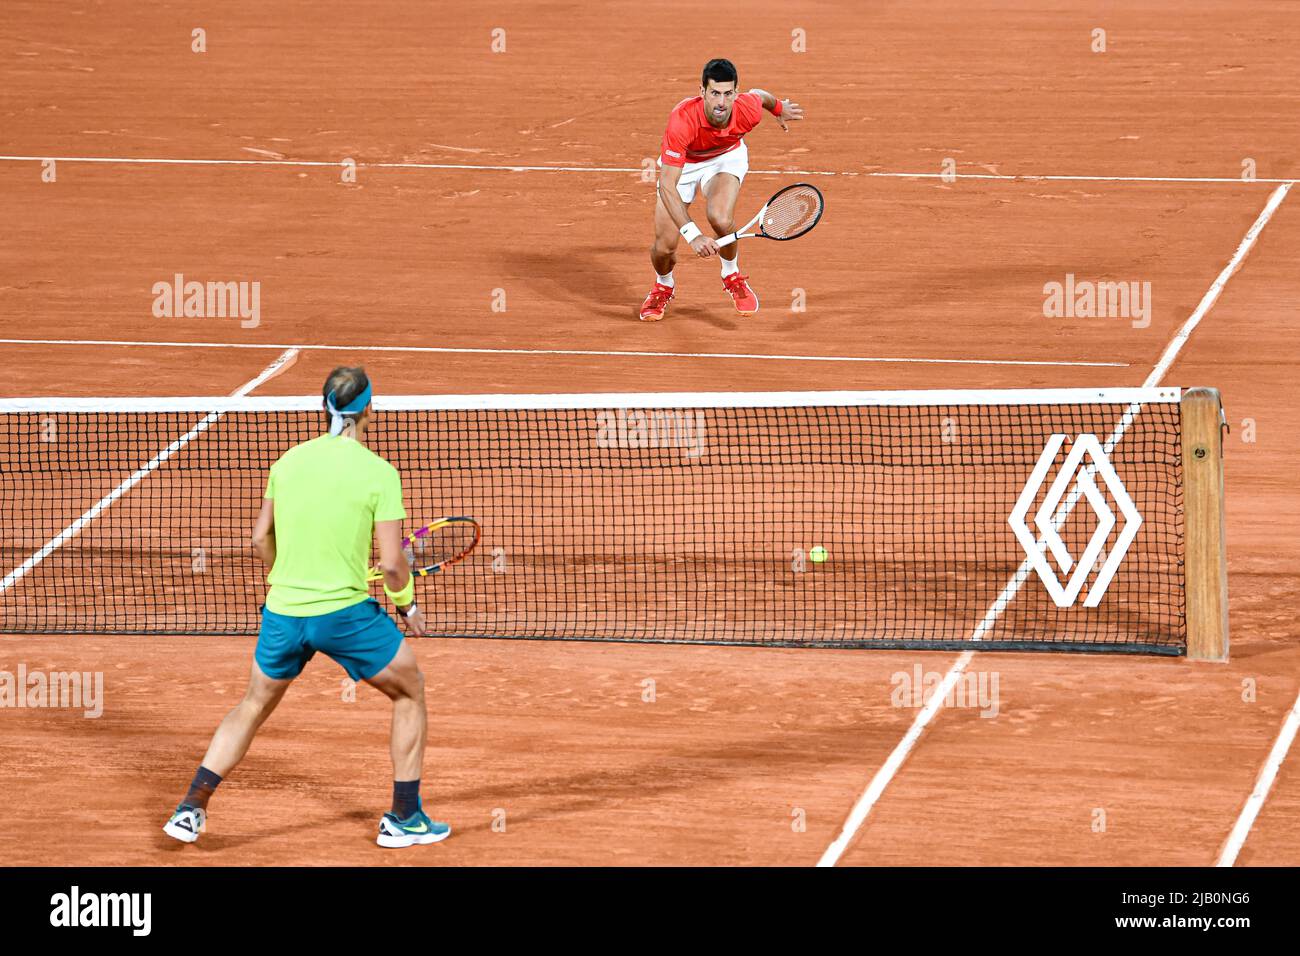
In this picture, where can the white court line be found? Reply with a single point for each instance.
(1263, 784)
(1009, 177)
(900, 360)
(858, 815)
(861, 809)
(506, 168)
(71, 531)
(1215, 290)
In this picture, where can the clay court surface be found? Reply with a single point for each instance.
(916, 281)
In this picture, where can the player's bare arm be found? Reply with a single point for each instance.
(787, 110)
(397, 570)
(264, 533)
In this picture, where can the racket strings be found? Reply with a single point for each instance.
(792, 212)
(443, 544)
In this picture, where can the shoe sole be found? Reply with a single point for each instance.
(176, 833)
(410, 839)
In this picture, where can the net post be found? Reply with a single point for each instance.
(1206, 542)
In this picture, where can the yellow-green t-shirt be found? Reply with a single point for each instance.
(328, 494)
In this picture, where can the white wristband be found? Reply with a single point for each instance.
(690, 232)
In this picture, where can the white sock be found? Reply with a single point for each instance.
(666, 280)
(730, 266)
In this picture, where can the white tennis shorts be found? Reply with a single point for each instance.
(695, 175)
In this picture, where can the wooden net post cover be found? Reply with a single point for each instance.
(1206, 541)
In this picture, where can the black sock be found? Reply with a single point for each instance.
(204, 783)
(406, 798)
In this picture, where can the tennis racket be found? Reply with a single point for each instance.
(789, 214)
(438, 545)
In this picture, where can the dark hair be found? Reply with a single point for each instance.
(346, 383)
(720, 71)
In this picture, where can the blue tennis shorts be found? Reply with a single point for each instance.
(361, 639)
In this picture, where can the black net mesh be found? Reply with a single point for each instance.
(687, 524)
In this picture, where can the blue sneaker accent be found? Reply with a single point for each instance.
(417, 829)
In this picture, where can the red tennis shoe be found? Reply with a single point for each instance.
(652, 310)
(741, 294)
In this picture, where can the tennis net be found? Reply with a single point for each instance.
(994, 519)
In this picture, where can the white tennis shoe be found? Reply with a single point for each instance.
(186, 824)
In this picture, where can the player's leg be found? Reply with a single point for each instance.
(279, 658)
(663, 254)
(236, 731)
(402, 682)
(393, 670)
(721, 192)
(663, 257)
(228, 746)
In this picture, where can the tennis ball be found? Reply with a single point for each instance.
(817, 555)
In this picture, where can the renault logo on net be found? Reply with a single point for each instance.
(1055, 509)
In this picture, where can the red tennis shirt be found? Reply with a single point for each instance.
(691, 138)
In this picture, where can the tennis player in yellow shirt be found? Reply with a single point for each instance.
(325, 499)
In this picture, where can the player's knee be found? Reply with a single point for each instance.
(260, 705)
(412, 686)
(262, 695)
(663, 247)
(722, 225)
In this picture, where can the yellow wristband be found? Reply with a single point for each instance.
(405, 596)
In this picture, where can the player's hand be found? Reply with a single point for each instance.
(704, 247)
(790, 110)
(416, 624)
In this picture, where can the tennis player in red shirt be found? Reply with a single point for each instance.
(704, 149)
